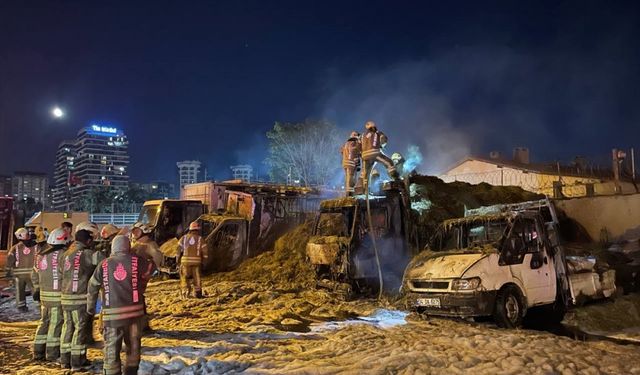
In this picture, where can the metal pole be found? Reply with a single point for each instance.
(633, 164)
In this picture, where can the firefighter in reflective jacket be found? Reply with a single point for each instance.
(20, 264)
(119, 280)
(47, 281)
(79, 262)
(373, 141)
(107, 233)
(350, 161)
(191, 255)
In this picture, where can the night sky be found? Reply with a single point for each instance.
(206, 80)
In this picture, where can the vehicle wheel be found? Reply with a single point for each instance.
(509, 308)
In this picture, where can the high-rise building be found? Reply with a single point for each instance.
(242, 172)
(31, 185)
(189, 172)
(96, 158)
(5, 186)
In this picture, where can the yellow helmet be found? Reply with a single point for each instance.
(369, 125)
(108, 231)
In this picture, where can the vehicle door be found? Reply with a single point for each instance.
(524, 252)
(226, 244)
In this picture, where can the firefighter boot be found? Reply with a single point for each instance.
(131, 370)
(80, 363)
(65, 360)
(199, 294)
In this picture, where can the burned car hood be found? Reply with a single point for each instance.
(442, 265)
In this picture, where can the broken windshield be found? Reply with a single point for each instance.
(335, 223)
(469, 235)
(149, 214)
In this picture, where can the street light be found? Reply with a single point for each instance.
(57, 112)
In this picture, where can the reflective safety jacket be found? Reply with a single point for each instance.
(77, 266)
(148, 250)
(372, 142)
(121, 278)
(46, 275)
(351, 153)
(21, 257)
(191, 249)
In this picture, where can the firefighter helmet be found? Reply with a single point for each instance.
(194, 226)
(89, 227)
(397, 157)
(144, 228)
(108, 231)
(22, 234)
(58, 236)
(354, 134)
(369, 125)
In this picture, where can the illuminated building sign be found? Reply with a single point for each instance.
(104, 129)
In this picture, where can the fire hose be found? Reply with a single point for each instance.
(372, 234)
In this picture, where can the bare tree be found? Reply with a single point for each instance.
(308, 151)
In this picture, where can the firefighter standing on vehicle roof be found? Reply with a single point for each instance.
(350, 161)
(47, 281)
(20, 264)
(145, 247)
(373, 141)
(191, 256)
(78, 265)
(107, 233)
(119, 280)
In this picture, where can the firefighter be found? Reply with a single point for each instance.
(107, 233)
(191, 255)
(79, 262)
(350, 161)
(373, 141)
(398, 160)
(47, 281)
(145, 247)
(41, 236)
(120, 278)
(20, 264)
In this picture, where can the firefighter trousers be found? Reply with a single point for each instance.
(47, 340)
(130, 333)
(368, 164)
(349, 180)
(21, 286)
(73, 346)
(187, 273)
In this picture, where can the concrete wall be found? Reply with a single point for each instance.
(615, 216)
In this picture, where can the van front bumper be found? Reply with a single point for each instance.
(477, 303)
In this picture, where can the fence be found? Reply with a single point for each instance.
(115, 218)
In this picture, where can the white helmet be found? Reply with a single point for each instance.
(22, 234)
(89, 227)
(397, 157)
(194, 226)
(144, 228)
(58, 237)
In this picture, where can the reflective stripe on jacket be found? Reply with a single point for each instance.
(372, 142)
(191, 248)
(350, 153)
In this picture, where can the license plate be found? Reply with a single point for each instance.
(428, 302)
